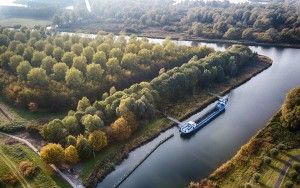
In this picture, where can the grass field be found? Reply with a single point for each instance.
(9, 22)
(12, 154)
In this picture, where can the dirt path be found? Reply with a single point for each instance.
(74, 182)
(284, 170)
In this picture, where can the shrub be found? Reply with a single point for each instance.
(10, 179)
(71, 155)
(274, 152)
(296, 166)
(248, 185)
(52, 154)
(256, 177)
(267, 160)
(293, 175)
(288, 184)
(11, 127)
(33, 129)
(281, 146)
(27, 169)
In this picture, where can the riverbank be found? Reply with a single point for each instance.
(157, 34)
(253, 158)
(96, 169)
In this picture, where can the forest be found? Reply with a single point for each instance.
(93, 126)
(274, 22)
(41, 71)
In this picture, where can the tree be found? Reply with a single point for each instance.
(94, 73)
(88, 52)
(113, 65)
(68, 58)
(58, 53)
(83, 147)
(54, 131)
(248, 34)
(71, 140)
(37, 58)
(71, 156)
(47, 64)
(83, 104)
(120, 129)
(4, 40)
(116, 52)
(232, 33)
(129, 61)
(77, 49)
(92, 122)
(49, 49)
(52, 154)
(80, 63)
(74, 78)
(19, 36)
(37, 77)
(59, 71)
(98, 140)
(28, 53)
(72, 125)
(15, 60)
(145, 56)
(23, 68)
(99, 58)
(290, 110)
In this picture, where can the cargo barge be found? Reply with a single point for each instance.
(191, 127)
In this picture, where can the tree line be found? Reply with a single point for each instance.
(272, 22)
(119, 113)
(55, 71)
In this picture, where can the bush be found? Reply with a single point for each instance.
(12, 127)
(10, 179)
(296, 166)
(256, 177)
(288, 184)
(248, 185)
(27, 169)
(267, 160)
(281, 146)
(293, 175)
(33, 129)
(274, 152)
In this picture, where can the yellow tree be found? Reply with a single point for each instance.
(120, 129)
(52, 154)
(97, 140)
(71, 155)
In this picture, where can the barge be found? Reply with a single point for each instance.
(191, 127)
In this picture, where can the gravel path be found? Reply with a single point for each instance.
(284, 170)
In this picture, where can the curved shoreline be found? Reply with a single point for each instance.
(96, 176)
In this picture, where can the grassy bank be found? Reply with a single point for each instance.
(251, 159)
(105, 161)
(13, 175)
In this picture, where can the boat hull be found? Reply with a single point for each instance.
(203, 123)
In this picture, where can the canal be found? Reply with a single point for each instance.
(251, 105)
